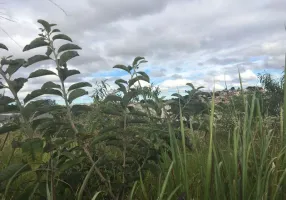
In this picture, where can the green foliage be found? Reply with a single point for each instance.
(131, 143)
(76, 94)
(38, 42)
(36, 59)
(66, 56)
(79, 85)
(62, 37)
(67, 47)
(2, 46)
(41, 72)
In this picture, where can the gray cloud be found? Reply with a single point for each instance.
(177, 76)
(158, 73)
(181, 36)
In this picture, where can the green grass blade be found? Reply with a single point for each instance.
(95, 195)
(165, 182)
(133, 190)
(85, 182)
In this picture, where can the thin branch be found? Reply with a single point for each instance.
(11, 20)
(11, 37)
(58, 7)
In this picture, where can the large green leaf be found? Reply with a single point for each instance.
(75, 94)
(5, 100)
(38, 42)
(128, 96)
(2, 46)
(35, 59)
(32, 152)
(136, 79)
(135, 61)
(49, 51)
(14, 65)
(120, 81)
(55, 30)
(32, 95)
(191, 85)
(45, 24)
(9, 127)
(10, 170)
(123, 67)
(41, 72)
(18, 83)
(5, 61)
(37, 93)
(52, 91)
(66, 56)
(68, 46)
(122, 88)
(144, 75)
(50, 84)
(79, 85)
(112, 97)
(62, 37)
(64, 73)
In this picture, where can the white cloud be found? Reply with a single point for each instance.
(174, 83)
(191, 40)
(248, 75)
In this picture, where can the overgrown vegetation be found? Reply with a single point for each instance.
(131, 143)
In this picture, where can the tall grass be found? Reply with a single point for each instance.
(251, 166)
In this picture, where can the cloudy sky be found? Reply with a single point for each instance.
(196, 41)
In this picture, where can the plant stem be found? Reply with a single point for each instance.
(6, 137)
(24, 121)
(69, 114)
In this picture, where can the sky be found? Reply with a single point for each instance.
(204, 42)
